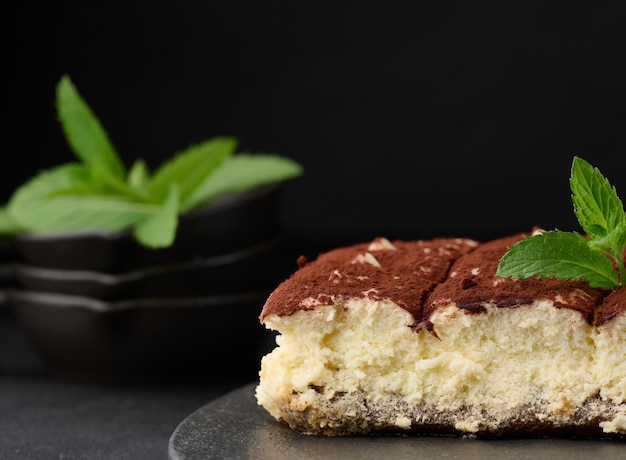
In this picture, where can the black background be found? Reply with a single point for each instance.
(412, 119)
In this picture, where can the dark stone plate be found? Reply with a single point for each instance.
(235, 427)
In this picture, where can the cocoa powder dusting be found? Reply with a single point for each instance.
(472, 283)
(302, 261)
(401, 271)
(614, 304)
(422, 276)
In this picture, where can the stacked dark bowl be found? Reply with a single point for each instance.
(97, 305)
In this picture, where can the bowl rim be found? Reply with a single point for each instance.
(21, 269)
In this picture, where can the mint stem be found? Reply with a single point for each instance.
(622, 269)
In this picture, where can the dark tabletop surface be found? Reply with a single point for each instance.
(46, 417)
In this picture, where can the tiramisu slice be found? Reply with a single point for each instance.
(421, 337)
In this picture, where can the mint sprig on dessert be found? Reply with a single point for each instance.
(596, 256)
(98, 192)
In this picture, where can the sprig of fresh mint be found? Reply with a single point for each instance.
(597, 256)
(97, 192)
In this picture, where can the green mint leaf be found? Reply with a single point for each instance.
(613, 243)
(84, 133)
(139, 175)
(69, 176)
(96, 193)
(159, 230)
(190, 168)
(61, 199)
(104, 182)
(8, 226)
(620, 236)
(597, 258)
(596, 204)
(241, 172)
(558, 254)
(89, 212)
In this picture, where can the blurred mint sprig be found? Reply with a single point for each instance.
(597, 257)
(97, 192)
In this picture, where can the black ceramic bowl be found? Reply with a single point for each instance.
(228, 223)
(247, 269)
(216, 337)
(8, 258)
